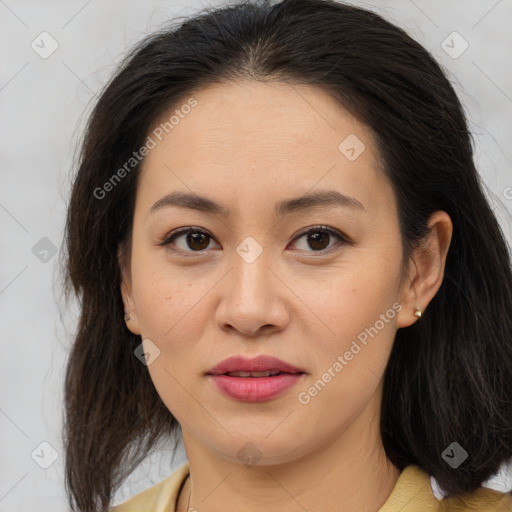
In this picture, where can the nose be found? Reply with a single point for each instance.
(253, 298)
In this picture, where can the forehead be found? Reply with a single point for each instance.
(276, 114)
(260, 139)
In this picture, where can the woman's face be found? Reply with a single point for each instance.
(255, 283)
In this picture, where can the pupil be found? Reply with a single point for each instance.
(195, 238)
(316, 238)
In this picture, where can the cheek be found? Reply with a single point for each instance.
(350, 366)
(355, 321)
(166, 299)
(350, 301)
(168, 307)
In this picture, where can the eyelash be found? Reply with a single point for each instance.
(315, 229)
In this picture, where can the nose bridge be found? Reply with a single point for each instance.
(250, 272)
(248, 302)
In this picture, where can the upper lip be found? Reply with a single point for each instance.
(257, 364)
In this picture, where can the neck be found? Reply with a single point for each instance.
(350, 470)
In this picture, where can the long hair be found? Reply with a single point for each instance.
(449, 376)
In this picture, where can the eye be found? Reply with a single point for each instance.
(317, 237)
(196, 239)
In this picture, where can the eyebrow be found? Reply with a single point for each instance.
(328, 198)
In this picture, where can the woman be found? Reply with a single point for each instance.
(284, 252)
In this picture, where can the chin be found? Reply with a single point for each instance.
(264, 448)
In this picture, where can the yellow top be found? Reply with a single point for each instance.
(412, 493)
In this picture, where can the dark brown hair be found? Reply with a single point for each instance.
(449, 376)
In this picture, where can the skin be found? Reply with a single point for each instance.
(247, 146)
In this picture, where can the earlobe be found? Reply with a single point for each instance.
(130, 316)
(411, 311)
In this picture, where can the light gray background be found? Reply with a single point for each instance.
(44, 103)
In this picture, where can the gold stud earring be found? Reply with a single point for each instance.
(127, 316)
(418, 313)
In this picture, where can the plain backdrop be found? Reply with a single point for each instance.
(44, 100)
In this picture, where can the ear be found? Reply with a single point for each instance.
(426, 269)
(126, 292)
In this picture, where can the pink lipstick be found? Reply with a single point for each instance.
(254, 380)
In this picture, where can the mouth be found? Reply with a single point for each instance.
(254, 380)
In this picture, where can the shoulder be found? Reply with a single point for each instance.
(414, 491)
(159, 498)
(481, 500)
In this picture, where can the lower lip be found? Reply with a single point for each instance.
(255, 389)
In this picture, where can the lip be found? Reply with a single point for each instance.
(254, 389)
(256, 364)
